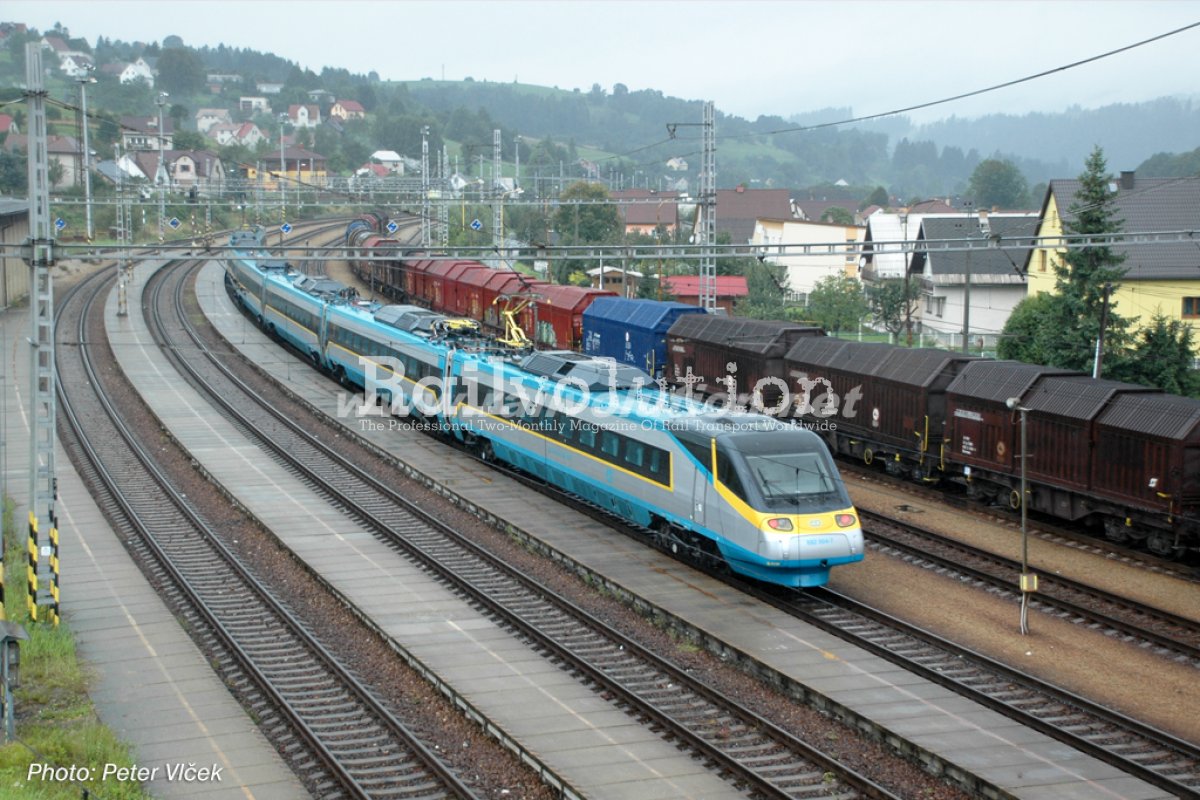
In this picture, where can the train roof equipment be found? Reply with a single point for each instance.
(597, 374)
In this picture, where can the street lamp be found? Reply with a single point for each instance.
(84, 79)
(1029, 581)
(906, 258)
(160, 177)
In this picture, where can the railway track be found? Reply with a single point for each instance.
(746, 749)
(1169, 634)
(1060, 535)
(337, 736)
(1156, 757)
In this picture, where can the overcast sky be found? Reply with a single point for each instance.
(776, 57)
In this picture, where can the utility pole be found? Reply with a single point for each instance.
(425, 186)
(43, 487)
(1096, 367)
(497, 197)
(84, 80)
(160, 177)
(124, 237)
(706, 230)
(966, 331)
(444, 205)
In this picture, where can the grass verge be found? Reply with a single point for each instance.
(57, 727)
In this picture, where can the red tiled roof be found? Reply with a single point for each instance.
(351, 105)
(689, 285)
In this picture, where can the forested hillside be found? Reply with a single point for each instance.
(630, 135)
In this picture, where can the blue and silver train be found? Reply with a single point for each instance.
(758, 495)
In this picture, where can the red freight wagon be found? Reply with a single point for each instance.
(512, 284)
(559, 314)
(417, 280)
(437, 291)
(456, 283)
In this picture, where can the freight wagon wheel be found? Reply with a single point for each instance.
(1014, 499)
(1115, 531)
(1160, 543)
(486, 453)
(868, 456)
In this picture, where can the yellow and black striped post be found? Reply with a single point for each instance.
(31, 569)
(54, 570)
(51, 603)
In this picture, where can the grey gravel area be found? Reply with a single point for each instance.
(840, 741)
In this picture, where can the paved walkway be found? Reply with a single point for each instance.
(151, 685)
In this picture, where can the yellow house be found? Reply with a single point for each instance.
(1159, 277)
(301, 165)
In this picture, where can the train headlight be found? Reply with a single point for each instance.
(844, 520)
(780, 524)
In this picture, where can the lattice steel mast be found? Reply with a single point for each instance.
(43, 489)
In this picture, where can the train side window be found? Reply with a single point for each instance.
(610, 445)
(658, 465)
(728, 476)
(587, 436)
(566, 428)
(699, 446)
(635, 454)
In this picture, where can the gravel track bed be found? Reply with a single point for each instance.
(481, 762)
(1133, 680)
(838, 740)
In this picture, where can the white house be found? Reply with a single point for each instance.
(990, 279)
(393, 161)
(75, 65)
(207, 117)
(304, 116)
(805, 271)
(243, 133)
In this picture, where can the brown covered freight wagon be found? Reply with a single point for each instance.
(717, 348)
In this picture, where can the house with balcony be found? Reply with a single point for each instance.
(989, 277)
(142, 133)
(185, 169)
(1160, 277)
(254, 105)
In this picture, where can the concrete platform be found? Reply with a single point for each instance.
(151, 684)
(968, 737)
(495, 671)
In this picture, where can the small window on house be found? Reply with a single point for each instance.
(1043, 259)
(1191, 307)
(937, 306)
